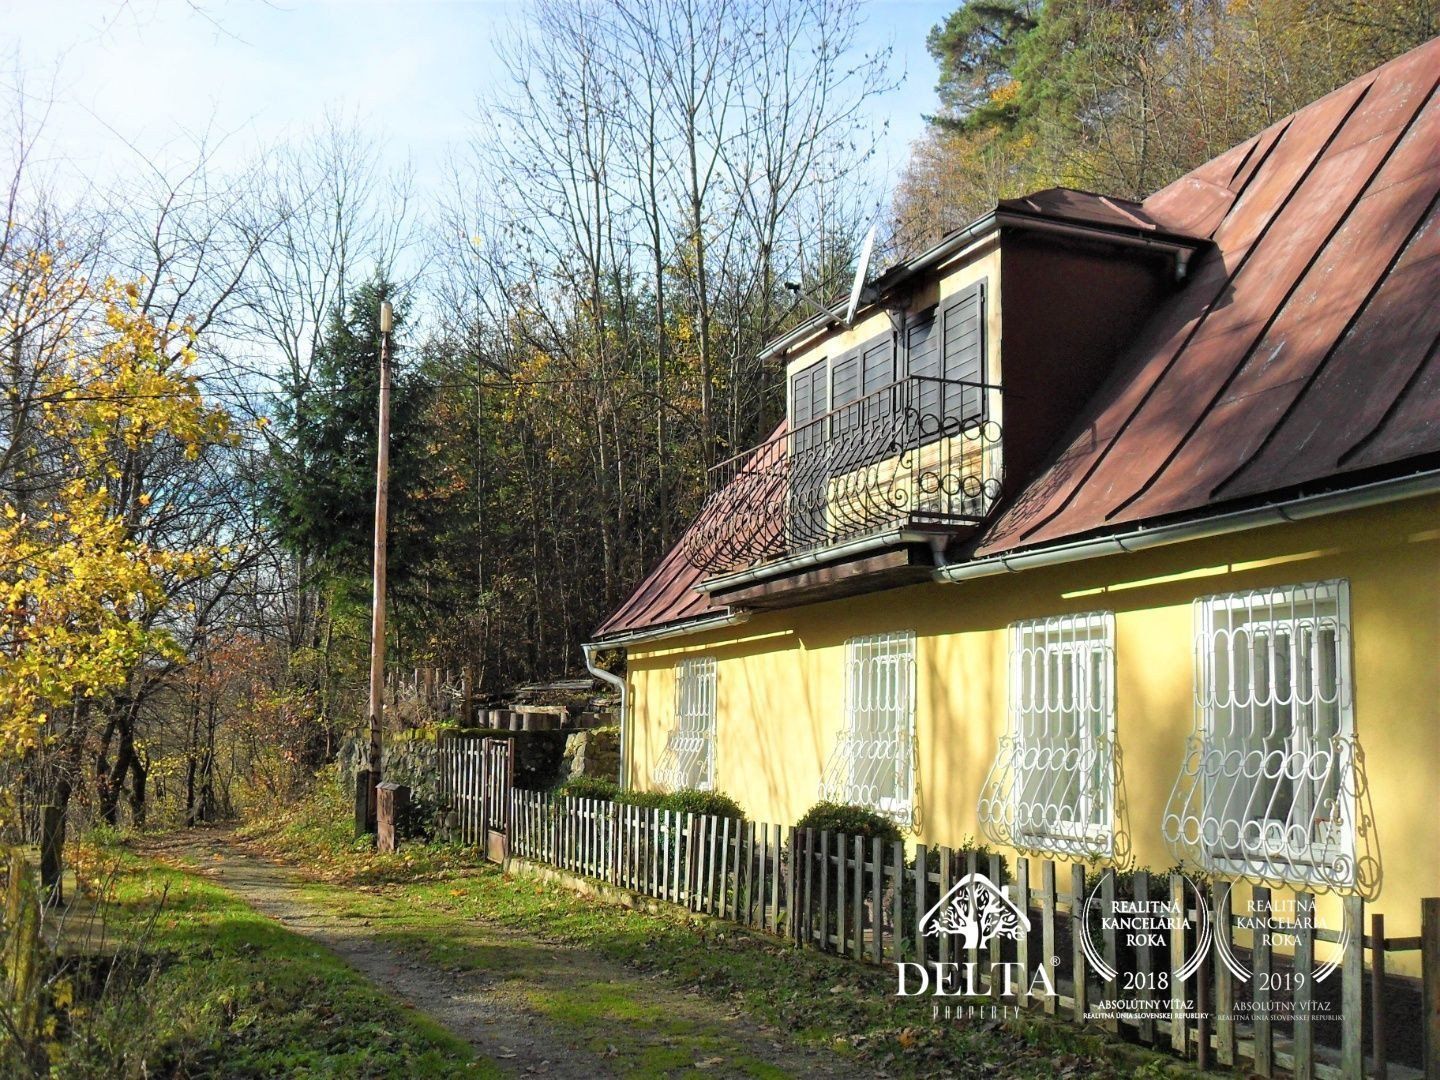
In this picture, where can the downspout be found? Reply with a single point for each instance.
(624, 641)
(589, 649)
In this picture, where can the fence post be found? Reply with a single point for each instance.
(877, 899)
(1430, 982)
(1107, 938)
(1352, 991)
(943, 942)
(792, 884)
(713, 829)
(1377, 994)
(824, 890)
(747, 861)
(1144, 964)
(1078, 930)
(897, 901)
(484, 775)
(21, 967)
(1260, 988)
(1224, 981)
(1179, 1025)
(922, 873)
(857, 916)
(992, 950)
(1047, 927)
(1304, 1049)
(1022, 937)
(972, 956)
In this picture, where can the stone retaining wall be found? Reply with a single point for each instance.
(542, 759)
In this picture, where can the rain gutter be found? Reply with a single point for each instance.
(1298, 509)
(839, 552)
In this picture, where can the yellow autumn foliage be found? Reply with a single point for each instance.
(74, 575)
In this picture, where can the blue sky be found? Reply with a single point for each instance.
(152, 73)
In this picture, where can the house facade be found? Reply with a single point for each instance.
(1107, 531)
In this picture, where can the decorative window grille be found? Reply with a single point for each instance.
(1054, 782)
(689, 757)
(874, 762)
(1272, 787)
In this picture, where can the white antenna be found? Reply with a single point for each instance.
(861, 270)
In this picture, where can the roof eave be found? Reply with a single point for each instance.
(904, 273)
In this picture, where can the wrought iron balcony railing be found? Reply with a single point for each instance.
(919, 452)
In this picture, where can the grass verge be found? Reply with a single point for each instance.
(434, 902)
(207, 987)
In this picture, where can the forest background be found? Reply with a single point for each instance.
(189, 360)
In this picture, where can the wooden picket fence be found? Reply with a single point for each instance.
(476, 779)
(864, 899)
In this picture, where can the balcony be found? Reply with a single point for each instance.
(921, 454)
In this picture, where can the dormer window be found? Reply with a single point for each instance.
(943, 348)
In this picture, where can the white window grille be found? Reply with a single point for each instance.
(1271, 782)
(689, 757)
(1052, 787)
(874, 763)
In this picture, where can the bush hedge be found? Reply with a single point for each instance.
(650, 800)
(685, 801)
(589, 787)
(851, 820)
(714, 803)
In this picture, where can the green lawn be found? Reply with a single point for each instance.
(434, 905)
(822, 1000)
(206, 987)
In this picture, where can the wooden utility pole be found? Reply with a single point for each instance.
(377, 603)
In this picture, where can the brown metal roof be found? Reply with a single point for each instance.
(667, 595)
(1304, 348)
(1085, 208)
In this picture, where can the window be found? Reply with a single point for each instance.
(808, 473)
(1269, 786)
(873, 763)
(689, 757)
(946, 349)
(1052, 785)
(863, 399)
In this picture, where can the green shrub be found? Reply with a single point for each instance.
(684, 801)
(648, 800)
(853, 821)
(695, 801)
(589, 787)
(834, 818)
(958, 861)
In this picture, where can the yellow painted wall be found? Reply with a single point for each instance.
(780, 680)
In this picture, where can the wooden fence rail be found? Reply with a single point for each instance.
(865, 899)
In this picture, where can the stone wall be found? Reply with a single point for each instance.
(408, 759)
(543, 759)
(592, 753)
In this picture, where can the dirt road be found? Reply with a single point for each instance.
(661, 1031)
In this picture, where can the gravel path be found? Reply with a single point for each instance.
(488, 1007)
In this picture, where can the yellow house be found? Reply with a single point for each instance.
(1104, 531)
